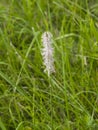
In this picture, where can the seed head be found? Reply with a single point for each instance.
(47, 52)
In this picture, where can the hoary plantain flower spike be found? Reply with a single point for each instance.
(47, 52)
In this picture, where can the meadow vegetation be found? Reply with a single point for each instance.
(68, 98)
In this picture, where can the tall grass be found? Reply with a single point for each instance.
(68, 99)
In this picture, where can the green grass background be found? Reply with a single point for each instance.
(29, 100)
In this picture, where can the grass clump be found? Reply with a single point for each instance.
(29, 98)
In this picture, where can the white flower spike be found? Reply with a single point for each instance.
(47, 52)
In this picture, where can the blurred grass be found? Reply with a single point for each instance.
(25, 88)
